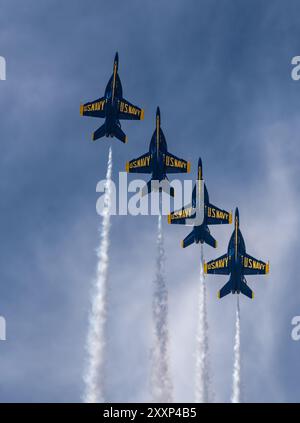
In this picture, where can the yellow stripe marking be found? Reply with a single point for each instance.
(157, 135)
(114, 82)
(236, 237)
(199, 184)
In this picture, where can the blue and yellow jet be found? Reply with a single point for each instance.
(112, 107)
(236, 263)
(200, 214)
(159, 162)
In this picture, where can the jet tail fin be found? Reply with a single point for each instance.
(247, 291)
(225, 290)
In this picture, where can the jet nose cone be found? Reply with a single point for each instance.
(158, 112)
(117, 57)
(200, 171)
(237, 215)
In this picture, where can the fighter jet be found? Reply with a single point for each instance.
(158, 161)
(112, 107)
(236, 263)
(200, 214)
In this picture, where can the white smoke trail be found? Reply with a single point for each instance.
(95, 344)
(236, 376)
(161, 384)
(202, 392)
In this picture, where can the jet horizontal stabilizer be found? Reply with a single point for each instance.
(225, 290)
(210, 240)
(247, 291)
(158, 186)
(190, 239)
(118, 133)
(99, 133)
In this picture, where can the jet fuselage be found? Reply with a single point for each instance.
(236, 252)
(113, 94)
(157, 149)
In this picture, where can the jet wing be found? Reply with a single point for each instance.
(140, 165)
(216, 216)
(252, 266)
(180, 217)
(94, 108)
(128, 111)
(174, 164)
(219, 266)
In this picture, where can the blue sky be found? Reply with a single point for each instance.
(220, 72)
